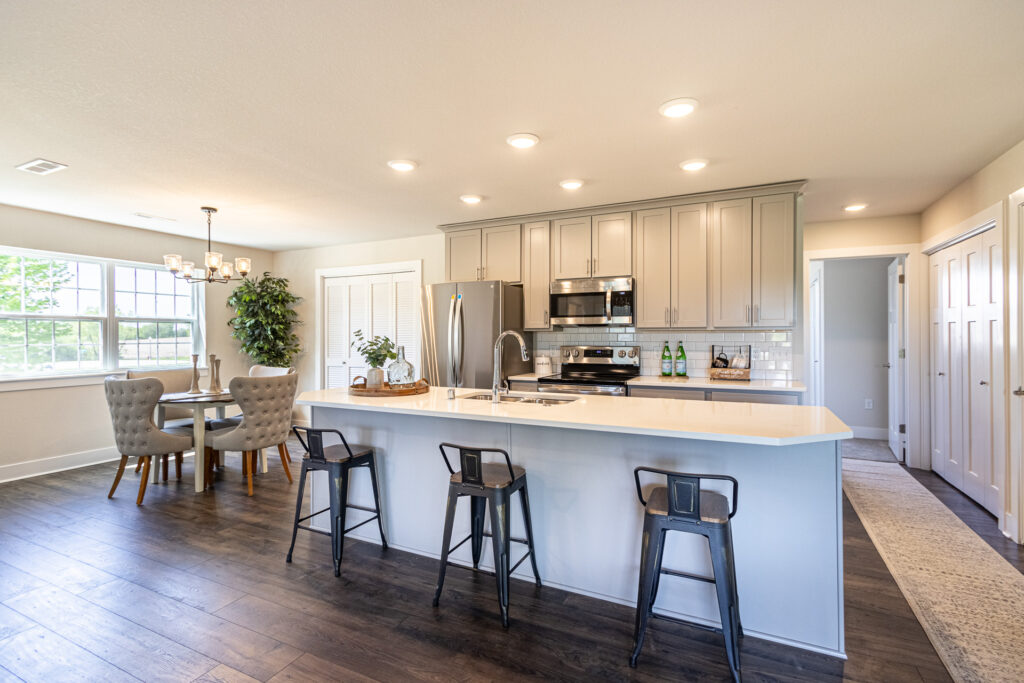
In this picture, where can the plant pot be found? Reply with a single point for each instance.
(374, 378)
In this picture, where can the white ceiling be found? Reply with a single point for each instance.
(283, 114)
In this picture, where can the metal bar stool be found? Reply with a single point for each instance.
(683, 506)
(489, 485)
(336, 460)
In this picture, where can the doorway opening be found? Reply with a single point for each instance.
(857, 333)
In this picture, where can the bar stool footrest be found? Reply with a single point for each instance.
(315, 531)
(684, 622)
(687, 575)
(367, 521)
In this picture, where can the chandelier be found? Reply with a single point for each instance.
(217, 269)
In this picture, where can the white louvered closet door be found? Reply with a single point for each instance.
(384, 305)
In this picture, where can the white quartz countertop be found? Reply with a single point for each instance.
(750, 423)
(766, 385)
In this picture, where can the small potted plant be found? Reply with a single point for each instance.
(376, 352)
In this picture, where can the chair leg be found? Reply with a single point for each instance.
(283, 451)
(117, 477)
(528, 523)
(500, 542)
(250, 460)
(165, 461)
(146, 463)
(284, 447)
(376, 499)
(725, 602)
(338, 489)
(446, 543)
(138, 465)
(477, 512)
(731, 560)
(653, 537)
(177, 464)
(209, 456)
(298, 511)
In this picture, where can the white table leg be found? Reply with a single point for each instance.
(199, 438)
(263, 460)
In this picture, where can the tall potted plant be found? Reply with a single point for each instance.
(264, 320)
(377, 352)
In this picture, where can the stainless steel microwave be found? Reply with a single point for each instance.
(592, 301)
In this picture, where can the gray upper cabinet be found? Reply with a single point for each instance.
(653, 268)
(773, 274)
(570, 248)
(671, 267)
(731, 272)
(484, 254)
(612, 245)
(536, 275)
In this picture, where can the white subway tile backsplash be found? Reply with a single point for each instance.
(771, 352)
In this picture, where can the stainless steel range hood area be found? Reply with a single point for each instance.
(592, 302)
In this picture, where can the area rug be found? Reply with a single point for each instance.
(969, 599)
(867, 449)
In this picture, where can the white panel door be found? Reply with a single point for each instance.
(462, 255)
(654, 265)
(976, 369)
(772, 280)
(611, 247)
(690, 266)
(994, 499)
(893, 357)
(938, 283)
(501, 253)
(570, 248)
(731, 264)
(536, 275)
(952, 331)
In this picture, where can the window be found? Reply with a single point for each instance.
(62, 314)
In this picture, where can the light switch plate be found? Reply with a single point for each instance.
(869, 404)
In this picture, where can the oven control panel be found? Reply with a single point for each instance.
(601, 355)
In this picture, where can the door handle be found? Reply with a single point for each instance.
(983, 383)
(942, 374)
(886, 365)
(588, 266)
(451, 342)
(459, 341)
(757, 314)
(1019, 391)
(483, 272)
(674, 320)
(595, 267)
(666, 316)
(747, 319)
(546, 319)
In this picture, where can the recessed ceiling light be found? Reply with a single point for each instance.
(41, 167)
(571, 184)
(855, 207)
(471, 198)
(678, 108)
(522, 140)
(402, 165)
(693, 164)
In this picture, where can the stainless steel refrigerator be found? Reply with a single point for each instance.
(462, 320)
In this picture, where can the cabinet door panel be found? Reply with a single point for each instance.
(570, 248)
(731, 264)
(612, 245)
(654, 264)
(536, 275)
(690, 265)
(500, 251)
(462, 254)
(773, 272)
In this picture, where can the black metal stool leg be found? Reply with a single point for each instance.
(649, 550)
(342, 513)
(727, 535)
(376, 500)
(528, 524)
(477, 512)
(449, 521)
(657, 565)
(336, 512)
(725, 603)
(298, 510)
(499, 537)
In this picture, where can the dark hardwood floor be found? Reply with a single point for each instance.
(195, 587)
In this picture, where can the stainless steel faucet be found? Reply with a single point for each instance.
(496, 388)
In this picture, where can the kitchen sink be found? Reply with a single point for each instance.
(533, 400)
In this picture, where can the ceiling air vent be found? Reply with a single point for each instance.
(42, 167)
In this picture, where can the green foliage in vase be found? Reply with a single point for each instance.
(264, 320)
(376, 351)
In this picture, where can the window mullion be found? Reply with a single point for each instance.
(108, 328)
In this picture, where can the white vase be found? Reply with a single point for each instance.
(375, 378)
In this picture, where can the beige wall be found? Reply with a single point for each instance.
(81, 412)
(300, 267)
(862, 232)
(990, 185)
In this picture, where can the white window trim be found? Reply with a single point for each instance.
(107, 320)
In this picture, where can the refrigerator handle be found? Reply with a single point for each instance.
(451, 343)
(460, 340)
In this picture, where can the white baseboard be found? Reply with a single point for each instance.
(57, 463)
(877, 433)
(302, 423)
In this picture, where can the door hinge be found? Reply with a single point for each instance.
(903, 429)
(902, 354)
(902, 278)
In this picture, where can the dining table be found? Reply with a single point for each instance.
(199, 403)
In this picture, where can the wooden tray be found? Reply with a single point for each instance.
(736, 374)
(359, 389)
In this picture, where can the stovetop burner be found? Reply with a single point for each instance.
(594, 365)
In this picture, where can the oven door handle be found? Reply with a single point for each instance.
(588, 390)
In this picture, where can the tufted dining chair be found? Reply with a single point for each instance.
(254, 371)
(131, 403)
(266, 404)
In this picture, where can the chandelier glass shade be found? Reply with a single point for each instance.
(216, 268)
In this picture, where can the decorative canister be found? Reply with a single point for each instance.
(401, 372)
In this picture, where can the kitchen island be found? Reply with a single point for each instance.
(579, 458)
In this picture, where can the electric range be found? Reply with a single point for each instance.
(600, 370)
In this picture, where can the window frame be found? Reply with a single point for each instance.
(108, 321)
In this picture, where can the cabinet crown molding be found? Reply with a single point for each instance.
(794, 186)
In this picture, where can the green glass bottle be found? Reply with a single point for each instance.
(680, 361)
(666, 361)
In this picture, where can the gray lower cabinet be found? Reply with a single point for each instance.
(755, 397)
(654, 392)
(513, 385)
